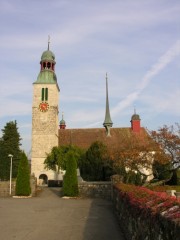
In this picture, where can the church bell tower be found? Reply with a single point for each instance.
(44, 117)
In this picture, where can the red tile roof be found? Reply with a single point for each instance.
(83, 138)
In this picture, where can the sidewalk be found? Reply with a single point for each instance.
(50, 217)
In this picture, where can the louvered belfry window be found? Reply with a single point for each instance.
(44, 94)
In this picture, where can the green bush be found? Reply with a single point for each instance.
(162, 171)
(94, 164)
(23, 178)
(70, 182)
(178, 177)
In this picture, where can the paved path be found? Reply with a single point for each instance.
(49, 217)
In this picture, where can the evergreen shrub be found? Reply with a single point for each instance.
(23, 178)
(70, 182)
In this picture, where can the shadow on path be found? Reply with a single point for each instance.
(89, 219)
(101, 222)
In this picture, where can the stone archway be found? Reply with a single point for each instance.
(43, 179)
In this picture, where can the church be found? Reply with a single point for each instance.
(47, 132)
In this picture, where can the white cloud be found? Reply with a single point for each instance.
(163, 61)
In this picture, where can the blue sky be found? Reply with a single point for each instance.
(136, 42)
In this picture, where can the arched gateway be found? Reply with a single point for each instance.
(43, 179)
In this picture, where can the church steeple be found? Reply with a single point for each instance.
(62, 124)
(48, 59)
(135, 122)
(47, 73)
(107, 121)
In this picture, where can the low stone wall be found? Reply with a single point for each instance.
(136, 226)
(95, 189)
(33, 182)
(5, 185)
(4, 188)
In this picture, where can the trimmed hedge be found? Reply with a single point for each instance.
(145, 214)
(70, 182)
(146, 199)
(23, 178)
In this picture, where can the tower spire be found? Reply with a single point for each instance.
(107, 121)
(48, 41)
(62, 122)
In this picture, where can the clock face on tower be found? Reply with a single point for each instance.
(43, 106)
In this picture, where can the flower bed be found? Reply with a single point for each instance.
(146, 214)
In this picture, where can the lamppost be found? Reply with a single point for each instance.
(10, 156)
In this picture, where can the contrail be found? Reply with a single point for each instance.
(162, 62)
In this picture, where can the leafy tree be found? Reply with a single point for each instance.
(133, 156)
(70, 182)
(178, 177)
(94, 165)
(23, 178)
(9, 144)
(57, 158)
(167, 156)
(162, 171)
(168, 140)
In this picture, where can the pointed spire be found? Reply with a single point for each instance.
(107, 122)
(48, 42)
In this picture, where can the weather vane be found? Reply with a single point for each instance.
(106, 75)
(48, 41)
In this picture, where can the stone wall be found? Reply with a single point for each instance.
(5, 185)
(138, 227)
(44, 129)
(4, 188)
(95, 189)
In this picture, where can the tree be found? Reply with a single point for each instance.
(70, 182)
(57, 158)
(94, 165)
(167, 156)
(162, 171)
(133, 156)
(9, 144)
(23, 178)
(168, 140)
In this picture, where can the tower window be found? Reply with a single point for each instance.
(48, 65)
(42, 94)
(44, 65)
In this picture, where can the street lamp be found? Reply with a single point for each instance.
(10, 156)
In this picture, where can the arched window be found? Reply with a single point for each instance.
(44, 65)
(44, 94)
(48, 65)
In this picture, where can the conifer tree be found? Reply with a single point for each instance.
(9, 144)
(23, 178)
(70, 182)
